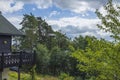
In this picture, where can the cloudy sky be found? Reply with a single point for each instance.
(73, 17)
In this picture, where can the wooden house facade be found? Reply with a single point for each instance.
(7, 30)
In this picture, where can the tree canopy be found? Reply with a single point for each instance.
(85, 58)
(111, 21)
(100, 58)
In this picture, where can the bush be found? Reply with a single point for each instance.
(59, 61)
(42, 60)
(78, 78)
(64, 76)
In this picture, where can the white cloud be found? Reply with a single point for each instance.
(88, 33)
(102, 33)
(102, 11)
(10, 5)
(74, 21)
(76, 6)
(74, 26)
(79, 6)
(70, 25)
(33, 9)
(53, 13)
(73, 5)
(43, 3)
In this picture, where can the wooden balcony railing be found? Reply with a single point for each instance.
(16, 59)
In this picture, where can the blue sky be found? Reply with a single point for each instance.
(73, 17)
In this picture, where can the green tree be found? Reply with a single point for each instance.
(42, 61)
(29, 27)
(80, 42)
(110, 22)
(36, 36)
(96, 60)
(44, 31)
(36, 30)
(100, 59)
(59, 61)
(62, 40)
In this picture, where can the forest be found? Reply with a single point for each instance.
(81, 58)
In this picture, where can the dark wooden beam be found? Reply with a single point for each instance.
(18, 73)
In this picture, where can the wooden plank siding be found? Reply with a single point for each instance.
(5, 47)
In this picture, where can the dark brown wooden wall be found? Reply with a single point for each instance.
(5, 43)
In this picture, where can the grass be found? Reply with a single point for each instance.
(25, 76)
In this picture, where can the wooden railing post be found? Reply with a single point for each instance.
(20, 64)
(2, 62)
(34, 66)
(34, 57)
(18, 73)
(1, 75)
(20, 59)
(2, 65)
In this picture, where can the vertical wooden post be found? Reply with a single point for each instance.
(18, 73)
(0, 75)
(34, 66)
(2, 65)
(2, 62)
(20, 63)
(34, 57)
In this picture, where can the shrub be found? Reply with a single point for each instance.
(64, 76)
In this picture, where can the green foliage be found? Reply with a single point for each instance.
(78, 78)
(71, 48)
(60, 40)
(29, 27)
(14, 76)
(42, 58)
(36, 31)
(80, 42)
(59, 61)
(110, 22)
(38, 36)
(84, 57)
(33, 73)
(26, 76)
(64, 76)
(99, 60)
